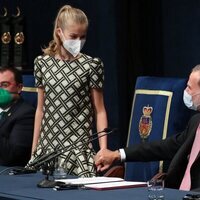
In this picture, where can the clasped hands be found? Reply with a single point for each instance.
(104, 159)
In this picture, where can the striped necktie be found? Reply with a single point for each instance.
(186, 182)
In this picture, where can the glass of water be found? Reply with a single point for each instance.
(155, 189)
(59, 172)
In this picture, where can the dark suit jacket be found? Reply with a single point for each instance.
(16, 133)
(176, 149)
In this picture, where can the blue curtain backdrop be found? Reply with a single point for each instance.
(132, 37)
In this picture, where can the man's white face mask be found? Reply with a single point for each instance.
(187, 98)
(73, 46)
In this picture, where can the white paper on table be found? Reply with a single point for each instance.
(90, 180)
(116, 185)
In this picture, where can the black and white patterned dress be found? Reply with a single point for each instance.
(68, 111)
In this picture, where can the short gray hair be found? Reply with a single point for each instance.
(197, 69)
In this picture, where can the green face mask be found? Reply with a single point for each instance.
(5, 97)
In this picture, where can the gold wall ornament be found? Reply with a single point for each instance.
(145, 123)
(19, 38)
(5, 12)
(6, 38)
(18, 12)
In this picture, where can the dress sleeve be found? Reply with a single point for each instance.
(38, 71)
(96, 73)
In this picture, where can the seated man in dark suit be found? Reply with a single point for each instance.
(181, 149)
(16, 120)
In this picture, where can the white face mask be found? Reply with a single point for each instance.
(187, 98)
(73, 46)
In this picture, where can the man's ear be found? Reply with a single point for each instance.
(19, 89)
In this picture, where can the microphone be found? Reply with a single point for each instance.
(17, 171)
(47, 161)
(53, 154)
(38, 162)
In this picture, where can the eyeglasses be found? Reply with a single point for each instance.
(5, 84)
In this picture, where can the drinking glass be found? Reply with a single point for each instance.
(155, 189)
(59, 172)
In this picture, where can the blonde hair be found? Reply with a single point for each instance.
(65, 14)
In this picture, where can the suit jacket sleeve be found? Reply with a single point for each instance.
(164, 149)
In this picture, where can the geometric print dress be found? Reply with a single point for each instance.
(68, 112)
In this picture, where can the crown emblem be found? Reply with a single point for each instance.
(147, 110)
(145, 124)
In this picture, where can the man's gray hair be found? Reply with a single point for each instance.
(197, 69)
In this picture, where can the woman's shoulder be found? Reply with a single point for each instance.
(41, 57)
(38, 59)
(92, 60)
